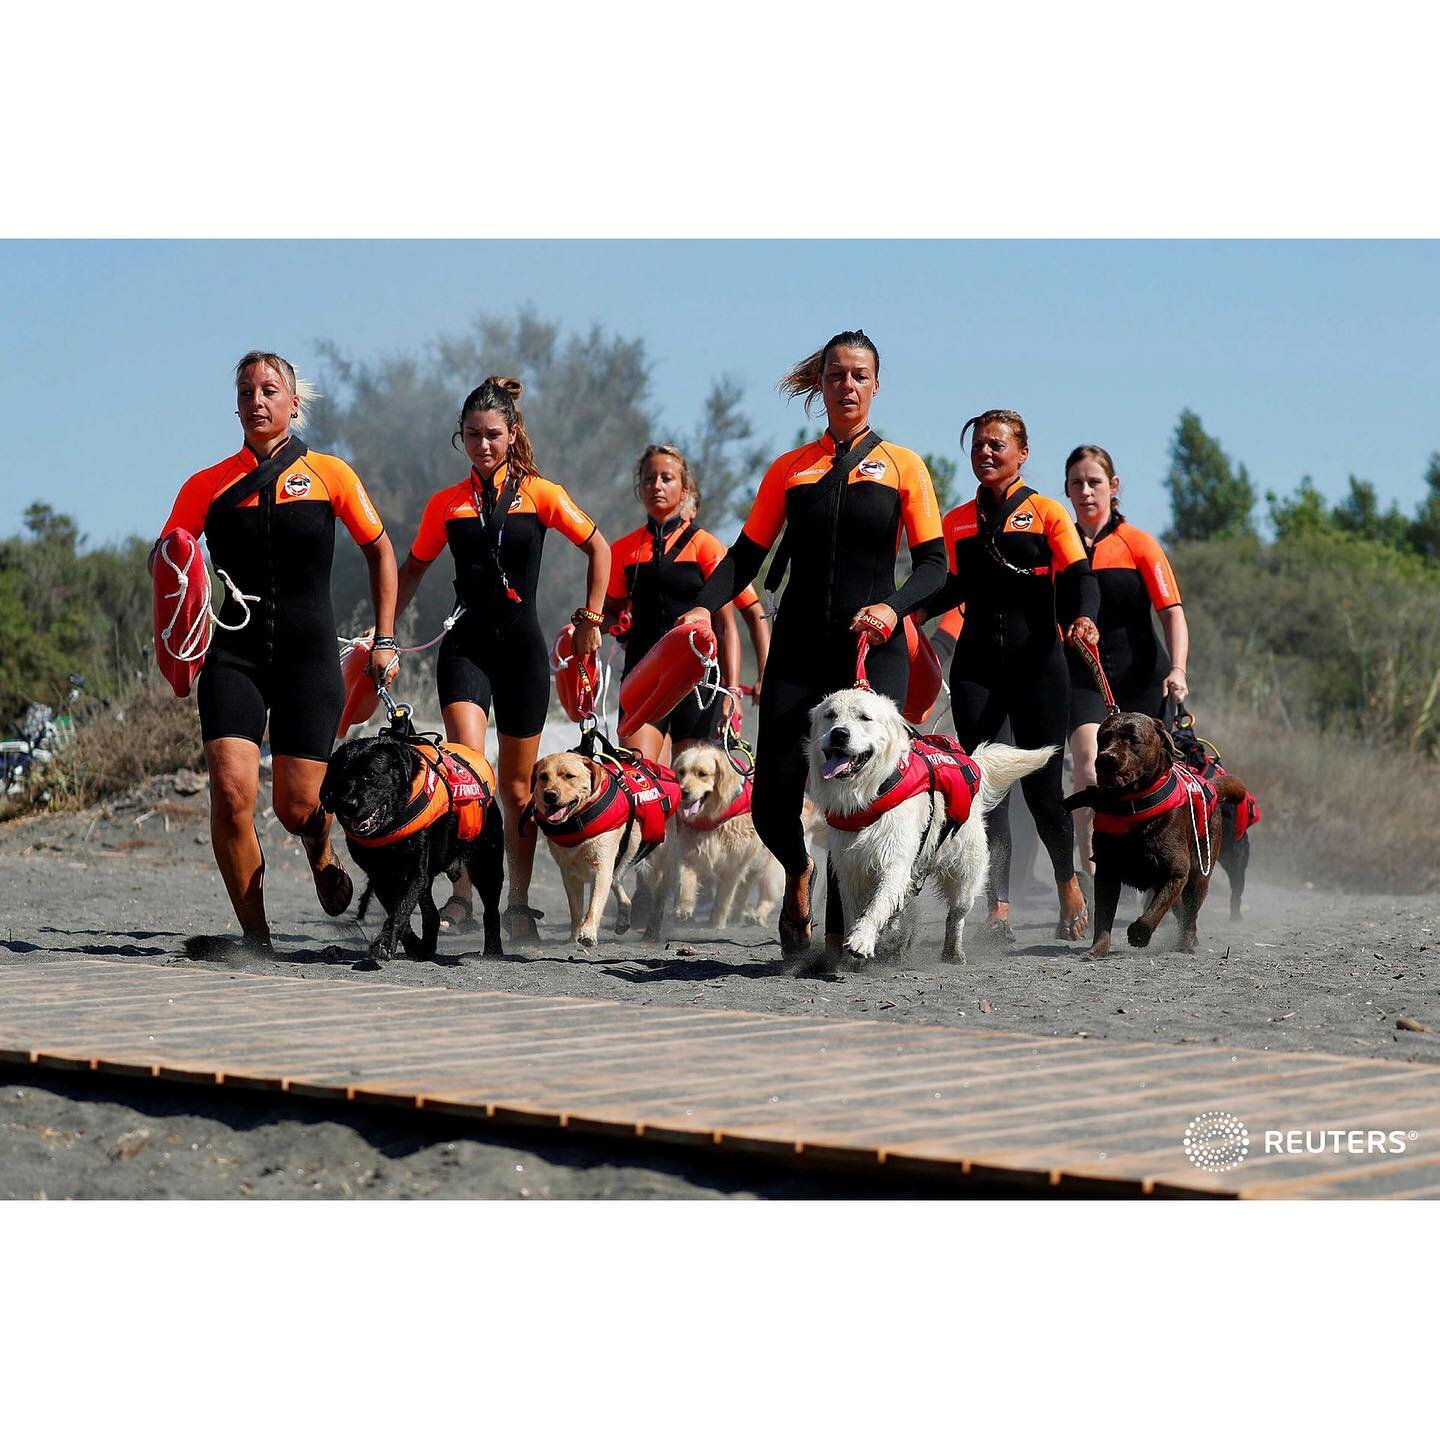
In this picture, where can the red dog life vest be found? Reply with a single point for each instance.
(740, 805)
(453, 780)
(1247, 813)
(934, 764)
(1179, 785)
(634, 792)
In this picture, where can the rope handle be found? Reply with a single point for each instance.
(347, 646)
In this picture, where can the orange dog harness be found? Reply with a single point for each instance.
(454, 780)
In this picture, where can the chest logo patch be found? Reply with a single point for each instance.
(1023, 520)
(297, 486)
(870, 469)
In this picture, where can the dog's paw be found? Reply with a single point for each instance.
(1138, 934)
(1100, 949)
(685, 915)
(860, 942)
(588, 938)
(955, 957)
(414, 946)
(370, 962)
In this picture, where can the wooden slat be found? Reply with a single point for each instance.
(1079, 1116)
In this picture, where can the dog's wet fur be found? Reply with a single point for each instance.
(1159, 856)
(366, 787)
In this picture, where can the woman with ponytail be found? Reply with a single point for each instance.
(843, 501)
(268, 516)
(494, 522)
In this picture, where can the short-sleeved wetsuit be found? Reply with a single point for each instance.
(1010, 562)
(275, 544)
(496, 651)
(659, 583)
(1135, 579)
(845, 508)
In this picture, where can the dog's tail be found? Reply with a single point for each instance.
(1227, 787)
(1001, 766)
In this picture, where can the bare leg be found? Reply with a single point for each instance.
(517, 760)
(466, 724)
(234, 766)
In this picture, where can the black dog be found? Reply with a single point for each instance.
(376, 788)
(1153, 831)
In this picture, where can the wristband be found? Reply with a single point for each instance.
(383, 642)
(587, 617)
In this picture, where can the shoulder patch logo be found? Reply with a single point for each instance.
(1022, 520)
(297, 485)
(1160, 580)
(870, 469)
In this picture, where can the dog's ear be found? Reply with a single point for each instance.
(534, 776)
(597, 774)
(1171, 749)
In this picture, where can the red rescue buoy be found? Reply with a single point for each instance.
(669, 672)
(577, 677)
(361, 696)
(183, 619)
(924, 688)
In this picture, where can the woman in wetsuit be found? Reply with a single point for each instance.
(1135, 581)
(494, 522)
(656, 572)
(268, 516)
(844, 501)
(1015, 560)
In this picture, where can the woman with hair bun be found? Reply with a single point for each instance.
(844, 501)
(1136, 582)
(1018, 567)
(655, 575)
(268, 516)
(494, 522)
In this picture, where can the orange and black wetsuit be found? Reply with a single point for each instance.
(845, 507)
(1134, 578)
(1013, 564)
(658, 571)
(271, 527)
(496, 531)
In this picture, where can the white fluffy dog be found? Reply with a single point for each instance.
(857, 741)
(728, 852)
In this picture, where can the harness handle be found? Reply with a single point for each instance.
(1090, 654)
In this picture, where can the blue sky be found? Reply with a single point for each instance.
(1313, 357)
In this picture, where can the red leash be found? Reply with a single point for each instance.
(861, 683)
(1090, 653)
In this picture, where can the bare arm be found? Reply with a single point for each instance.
(729, 643)
(754, 616)
(380, 557)
(1177, 642)
(597, 579)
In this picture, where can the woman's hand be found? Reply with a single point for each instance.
(699, 615)
(876, 621)
(384, 664)
(1084, 631)
(587, 637)
(1176, 687)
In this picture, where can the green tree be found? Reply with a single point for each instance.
(1303, 513)
(724, 462)
(1425, 530)
(588, 410)
(1208, 497)
(1359, 514)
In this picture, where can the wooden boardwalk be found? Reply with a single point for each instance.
(1069, 1116)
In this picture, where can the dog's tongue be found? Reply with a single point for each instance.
(692, 808)
(837, 765)
(561, 813)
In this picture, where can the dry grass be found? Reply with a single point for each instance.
(149, 733)
(1339, 813)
